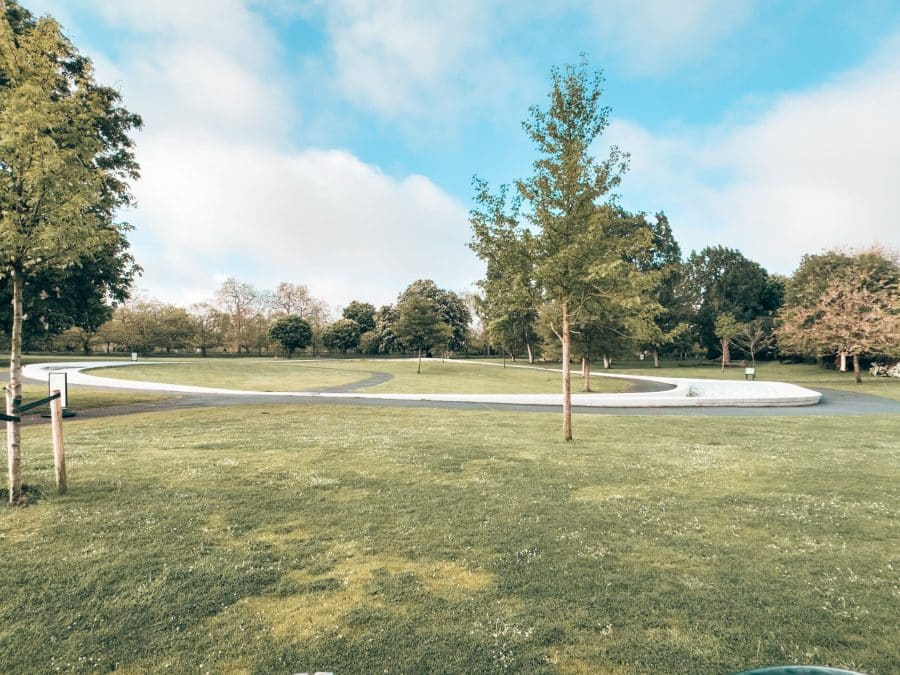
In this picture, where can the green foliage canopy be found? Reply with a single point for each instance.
(720, 280)
(291, 332)
(342, 336)
(451, 308)
(362, 313)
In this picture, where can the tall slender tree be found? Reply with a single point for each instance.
(65, 163)
(664, 258)
(568, 195)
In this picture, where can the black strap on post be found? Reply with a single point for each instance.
(35, 404)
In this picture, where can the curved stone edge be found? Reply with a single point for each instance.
(687, 393)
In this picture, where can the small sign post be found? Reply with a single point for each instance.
(59, 453)
(133, 356)
(749, 373)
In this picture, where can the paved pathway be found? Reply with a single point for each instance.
(678, 392)
(833, 402)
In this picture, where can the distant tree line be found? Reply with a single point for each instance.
(712, 304)
(241, 319)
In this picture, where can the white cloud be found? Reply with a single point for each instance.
(818, 169)
(655, 37)
(400, 58)
(320, 217)
(405, 59)
(223, 193)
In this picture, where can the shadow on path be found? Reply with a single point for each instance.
(374, 379)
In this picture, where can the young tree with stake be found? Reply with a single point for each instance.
(566, 195)
(65, 161)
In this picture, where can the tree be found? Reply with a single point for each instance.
(176, 328)
(296, 299)
(260, 321)
(755, 336)
(664, 258)
(65, 163)
(362, 313)
(843, 303)
(341, 336)
(239, 301)
(726, 328)
(291, 332)
(721, 280)
(292, 298)
(509, 308)
(147, 325)
(111, 333)
(80, 296)
(210, 326)
(384, 336)
(575, 258)
(421, 325)
(452, 307)
(74, 338)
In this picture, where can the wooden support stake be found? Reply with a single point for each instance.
(59, 453)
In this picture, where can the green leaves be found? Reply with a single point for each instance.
(420, 324)
(65, 154)
(291, 332)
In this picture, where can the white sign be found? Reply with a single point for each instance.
(134, 356)
(58, 381)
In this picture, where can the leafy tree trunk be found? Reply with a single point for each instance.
(567, 380)
(726, 352)
(656, 358)
(586, 372)
(843, 362)
(14, 395)
(856, 369)
(530, 349)
(419, 366)
(606, 363)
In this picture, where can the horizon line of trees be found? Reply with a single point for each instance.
(242, 320)
(715, 303)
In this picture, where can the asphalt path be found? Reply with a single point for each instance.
(834, 402)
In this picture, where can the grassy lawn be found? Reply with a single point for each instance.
(84, 398)
(286, 539)
(310, 375)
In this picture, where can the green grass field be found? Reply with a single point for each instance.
(463, 377)
(295, 539)
(85, 398)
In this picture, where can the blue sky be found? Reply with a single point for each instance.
(333, 143)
